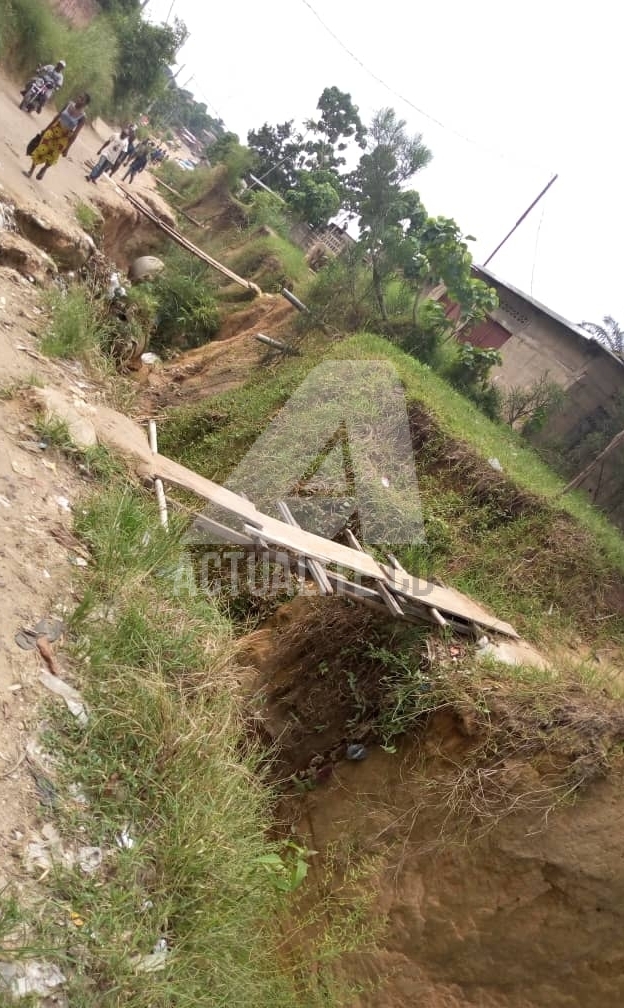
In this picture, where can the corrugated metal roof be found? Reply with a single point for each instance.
(575, 329)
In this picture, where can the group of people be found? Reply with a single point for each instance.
(123, 148)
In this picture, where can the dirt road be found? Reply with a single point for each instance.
(65, 183)
(37, 488)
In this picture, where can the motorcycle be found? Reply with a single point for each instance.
(36, 94)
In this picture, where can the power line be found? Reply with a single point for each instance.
(537, 237)
(401, 97)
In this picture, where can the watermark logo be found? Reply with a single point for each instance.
(339, 452)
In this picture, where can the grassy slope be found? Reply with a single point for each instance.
(548, 570)
(166, 755)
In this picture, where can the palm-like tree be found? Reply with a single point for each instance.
(608, 333)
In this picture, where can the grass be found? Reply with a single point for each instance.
(88, 218)
(166, 754)
(551, 565)
(271, 261)
(32, 33)
(93, 461)
(461, 419)
(77, 325)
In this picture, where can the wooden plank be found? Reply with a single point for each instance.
(315, 568)
(387, 596)
(447, 601)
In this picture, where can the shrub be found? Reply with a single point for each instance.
(187, 314)
(341, 293)
(267, 210)
(78, 324)
(423, 336)
(271, 261)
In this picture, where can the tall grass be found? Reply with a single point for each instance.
(167, 755)
(32, 33)
(272, 261)
(78, 325)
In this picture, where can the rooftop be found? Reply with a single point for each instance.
(578, 332)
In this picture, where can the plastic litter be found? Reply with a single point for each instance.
(51, 629)
(156, 960)
(356, 751)
(495, 464)
(78, 561)
(63, 503)
(26, 978)
(90, 859)
(150, 358)
(72, 698)
(124, 840)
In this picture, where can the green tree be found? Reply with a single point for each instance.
(145, 51)
(339, 124)
(315, 197)
(279, 154)
(608, 333)
(390, 217)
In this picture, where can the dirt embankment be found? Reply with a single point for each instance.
(491, 838)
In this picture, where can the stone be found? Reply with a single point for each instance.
(21, 255)
(69, 246)
(145, 268)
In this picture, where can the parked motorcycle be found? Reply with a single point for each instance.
(36, 93)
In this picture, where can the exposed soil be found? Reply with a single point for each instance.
(37, 487)
(490, 843)
(493, 836)
(224, 364)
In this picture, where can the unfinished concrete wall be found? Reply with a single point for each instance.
(593, 382)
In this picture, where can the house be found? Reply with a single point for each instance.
(333, 238)
(534, 341)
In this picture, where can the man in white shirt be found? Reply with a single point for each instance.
(109, 152)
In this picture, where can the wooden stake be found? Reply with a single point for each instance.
(582, 476)
(158, 484)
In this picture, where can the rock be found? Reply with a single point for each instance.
(145, 268)
(77, 415)
(19, 254)
(512, 653)
(25, 978)
(67, 244)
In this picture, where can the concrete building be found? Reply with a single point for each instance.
(534, 341)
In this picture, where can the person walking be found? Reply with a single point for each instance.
(57, 139)
(115, 147)
(130, 133)
(137, 165)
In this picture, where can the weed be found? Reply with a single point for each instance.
(78, 325)
(13, 389)
(185, 308)
(166, 754)
(94, 461)
(88, 218)
(32, 33)
(272, 261)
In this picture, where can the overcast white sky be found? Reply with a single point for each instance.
(536, 87)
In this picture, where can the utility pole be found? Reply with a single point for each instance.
(520, 219)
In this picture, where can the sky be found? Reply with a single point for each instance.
(504, 94)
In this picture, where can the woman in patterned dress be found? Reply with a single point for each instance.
(57, 139)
